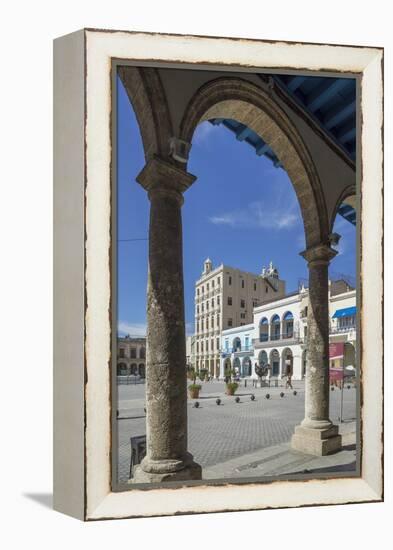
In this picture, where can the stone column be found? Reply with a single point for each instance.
(316, 434)
(167, 458)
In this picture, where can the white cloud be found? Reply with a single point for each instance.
(202, 133)
(133, 329)
(257, 215)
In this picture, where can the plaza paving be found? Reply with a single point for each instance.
(246, 439)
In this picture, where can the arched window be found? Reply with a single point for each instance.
(237, 345)
(264, 330)
(275, 326)
(121, 369)
(287, 325)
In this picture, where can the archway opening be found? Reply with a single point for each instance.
(262, 358)
(238, 100)
(121, 369)
(275, 362)
(246, 367)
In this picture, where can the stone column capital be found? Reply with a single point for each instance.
(320, 254)
(160, 177)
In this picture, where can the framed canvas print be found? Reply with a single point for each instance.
(218, 274)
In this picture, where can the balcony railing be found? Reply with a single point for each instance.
(339, 330)
(293, 338)
(241, 349)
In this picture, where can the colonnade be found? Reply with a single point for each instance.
(167, 457)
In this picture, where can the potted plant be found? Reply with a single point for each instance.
(193, 390)
(231, 388)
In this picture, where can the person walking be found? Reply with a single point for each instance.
(288, 373)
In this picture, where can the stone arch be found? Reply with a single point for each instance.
(147, 97)
(349, 191)
(251, 105)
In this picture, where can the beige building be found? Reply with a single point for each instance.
(131, 356)
(225, 297)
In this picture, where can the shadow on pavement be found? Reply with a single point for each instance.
(351, 467)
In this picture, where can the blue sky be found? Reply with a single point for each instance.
(241, 211)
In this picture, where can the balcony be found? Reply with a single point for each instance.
(243, 349)
(277, 339)
(341, 330)
(342, 334)
(227, 352)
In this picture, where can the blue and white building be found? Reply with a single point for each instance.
(278, 334)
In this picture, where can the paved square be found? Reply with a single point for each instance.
(250, 438)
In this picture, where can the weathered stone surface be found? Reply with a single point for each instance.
(316, 434)
(253, 106)
(166, 383)
(316, 442)
(144, 89)
(160, 471)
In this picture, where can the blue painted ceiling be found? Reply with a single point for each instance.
(330, 102)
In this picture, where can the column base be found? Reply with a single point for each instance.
(166, 470)
(316, 441)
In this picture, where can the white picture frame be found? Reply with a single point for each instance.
(82, 179)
